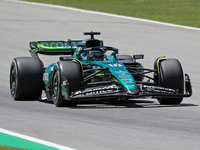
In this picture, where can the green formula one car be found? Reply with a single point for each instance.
(88, 70)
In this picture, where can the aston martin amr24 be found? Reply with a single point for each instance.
(88, 70)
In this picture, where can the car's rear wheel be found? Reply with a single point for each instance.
(124, 58)
(171, 76)
(70, 71)
(26, 78)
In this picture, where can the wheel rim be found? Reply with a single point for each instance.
(55, 86)
(13, 81)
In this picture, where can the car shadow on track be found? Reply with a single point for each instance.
(127, 104)
(92, 104)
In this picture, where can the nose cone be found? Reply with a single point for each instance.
(132, 91)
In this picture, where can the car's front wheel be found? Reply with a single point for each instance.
(171, 76)
(70, 71)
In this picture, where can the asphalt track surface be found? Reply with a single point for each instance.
(142, 124)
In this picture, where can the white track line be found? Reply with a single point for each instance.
(35, 140)
(105, 14)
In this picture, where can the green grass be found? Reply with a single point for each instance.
(182, 12)
(2, 147)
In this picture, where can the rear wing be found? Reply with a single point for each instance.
(53, 47)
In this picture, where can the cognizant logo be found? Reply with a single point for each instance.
(53, 45)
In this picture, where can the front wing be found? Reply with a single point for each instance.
(112, 89)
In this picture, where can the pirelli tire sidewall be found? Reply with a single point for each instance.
(26, 78)
(171, 76)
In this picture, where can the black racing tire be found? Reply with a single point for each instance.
(72, 72)
(124, 58)
(26, 78)
(171, 76)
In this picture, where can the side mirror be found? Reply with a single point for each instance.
(138, 57)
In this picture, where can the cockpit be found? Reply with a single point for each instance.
(99, 53)
(93, 55)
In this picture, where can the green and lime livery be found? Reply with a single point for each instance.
(88, 70)
(116, 69)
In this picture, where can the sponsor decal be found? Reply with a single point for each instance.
(97, 90)
(64, 83)
(115, 65)
(158, 89)
(125, 76)
(45, 77)
(96, 67)
(56, 45)
(121, 72)
(131, 86)
(53, 45)
(128, 81)
(67, 58)
(138, 56)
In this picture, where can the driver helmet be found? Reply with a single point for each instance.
(97, 55)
